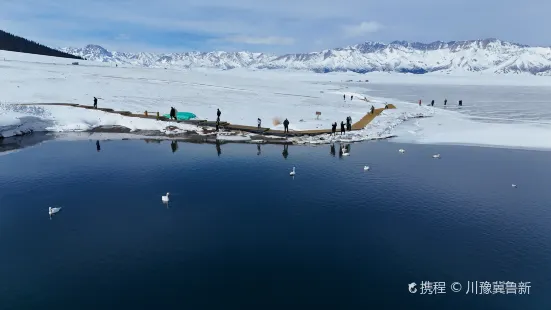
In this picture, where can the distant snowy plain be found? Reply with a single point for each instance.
(499, 110)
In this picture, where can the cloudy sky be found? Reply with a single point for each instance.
(282, 26)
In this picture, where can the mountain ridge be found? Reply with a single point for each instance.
(484, 55)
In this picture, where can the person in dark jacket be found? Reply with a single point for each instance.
(460, 103)
(343, 129)
(344, 97)
(372, 109)
(218, 113)
(173, 113)
(351, 97)
(286, 126)
(95, 103)
(259, 122)
(445, 101)
(334, 129)
(432, 103)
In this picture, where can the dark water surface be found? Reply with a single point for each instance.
(240, 233)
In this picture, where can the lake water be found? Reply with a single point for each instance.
(240, 233)
(487, 103)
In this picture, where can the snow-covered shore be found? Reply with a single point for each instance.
(242, 96)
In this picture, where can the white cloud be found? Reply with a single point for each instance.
(362, 29)
(261, 40)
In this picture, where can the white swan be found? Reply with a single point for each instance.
(292, 173)
(401, 150)
(514, 185)
(53, 211)
(165, 198)
(366, 168)
(436, 156)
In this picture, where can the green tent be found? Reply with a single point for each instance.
(182, 116)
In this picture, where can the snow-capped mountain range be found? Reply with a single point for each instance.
(488, 55)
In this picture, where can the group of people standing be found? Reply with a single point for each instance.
(460, 103)
(343, 128)
(351, 97)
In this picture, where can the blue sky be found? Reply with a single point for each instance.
(282, 26)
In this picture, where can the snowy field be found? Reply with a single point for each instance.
(490, 115)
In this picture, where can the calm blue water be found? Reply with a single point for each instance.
(240, 233)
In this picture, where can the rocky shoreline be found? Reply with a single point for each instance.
(30, 138)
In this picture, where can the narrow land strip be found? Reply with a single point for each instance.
(359, 125)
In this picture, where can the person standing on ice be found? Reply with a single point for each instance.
(344, 97)
(419, 102)
(432, 103)
(259, 122)
(348, 123)
(372, 109)
(286, 126)
(218, 113)
(460, 103)
(351, 97)
(334, 129)
(343, 130)
(445, 101)
(95, 103)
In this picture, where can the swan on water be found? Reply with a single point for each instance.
(292, 172)
(53, 211)
(165, 198)
(514, 185)
(436, 156)
(366, 168)
(401, 150)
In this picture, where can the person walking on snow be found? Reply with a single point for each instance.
(372, 109)
(344, 97)
(351, 97)
(349, 123)
(286, 126)
(218, 113)
(432, 103)
(259, 122)
(460, 103)
(95, 103)
(445, 101)
(419, 102)
(343, 130)
(334, 129)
